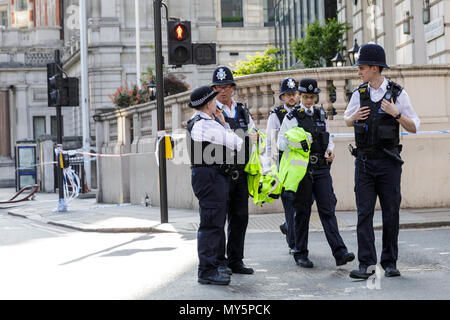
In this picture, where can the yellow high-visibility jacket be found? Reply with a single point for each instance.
(294, 162)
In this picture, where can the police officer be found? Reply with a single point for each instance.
(239, 119)
(376, 111)
(210, 142)
(317, 183)
(289, 94)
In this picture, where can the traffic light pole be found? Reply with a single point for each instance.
(59, 141)
(157, 4)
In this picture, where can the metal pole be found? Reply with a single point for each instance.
(85, 113)
(160, 109)
(59, 140)
(138, 44)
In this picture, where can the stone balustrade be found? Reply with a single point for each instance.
(134, 130)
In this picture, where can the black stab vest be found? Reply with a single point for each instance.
(204, 153)
(280, 112)
(316, 126)
(239, 124)
(380, 130)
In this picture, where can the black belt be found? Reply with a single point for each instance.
(226, 169)
(373, 153)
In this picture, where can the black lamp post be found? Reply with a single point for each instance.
(338, 60)
(152, 90)
(353, 53)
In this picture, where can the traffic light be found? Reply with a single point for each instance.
(70, 92)
(179, 42)
(203, 53)
(61, 91)
(54, 84)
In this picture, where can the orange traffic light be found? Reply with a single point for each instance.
(179, 32)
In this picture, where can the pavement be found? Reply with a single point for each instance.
(89, 216)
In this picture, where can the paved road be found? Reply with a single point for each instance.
(41, 261)
(424, 263)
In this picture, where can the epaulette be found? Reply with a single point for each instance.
(364, 91)
(278, 109)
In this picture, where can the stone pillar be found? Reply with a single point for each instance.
(47, 171)
(136, 133)
(267, 100)
(99, 141)
(176, 116)
(23, 128)
(340, 105)
(5, 136)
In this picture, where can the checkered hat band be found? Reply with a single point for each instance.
(201, 101)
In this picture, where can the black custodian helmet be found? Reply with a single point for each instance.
(222, 75)
(372, 54)
(308, 85)
(288, 85)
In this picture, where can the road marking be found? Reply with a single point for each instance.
(444, 253)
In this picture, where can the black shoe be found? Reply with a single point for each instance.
(225, 270)
(361, 273)
(219, 279)
(304, 263)
(283, 228)
(242, 269)
(391, 272)
(349, 256)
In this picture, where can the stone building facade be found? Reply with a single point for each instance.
(412, 32)
(30, 31)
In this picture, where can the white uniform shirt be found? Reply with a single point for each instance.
(403, 102)
(210, 130)
(273, 127)
(231, 112)
(288, 124)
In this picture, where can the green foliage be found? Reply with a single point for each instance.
(267, 61)
(321, 43)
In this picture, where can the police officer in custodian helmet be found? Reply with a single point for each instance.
(211, 141)
(238, 117)
(289, 95)
(317, 183)
(376, 110)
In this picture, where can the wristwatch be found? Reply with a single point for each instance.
(398, 116)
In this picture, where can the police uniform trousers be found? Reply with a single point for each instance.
(211, 189)
(317, 184)
(237, 218)
(377, 177)
(287, 198)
